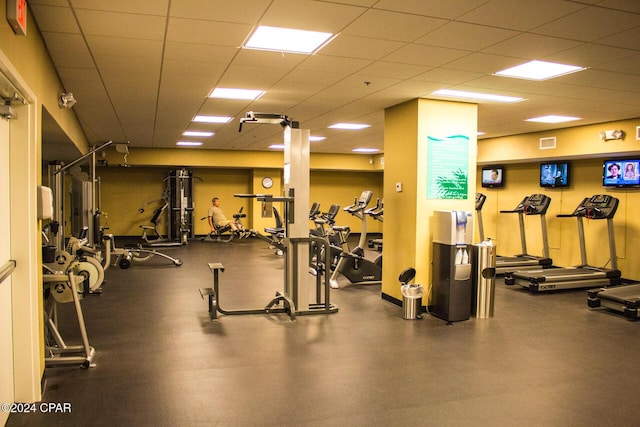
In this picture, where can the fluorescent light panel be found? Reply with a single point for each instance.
(477, 95)
(317, 138)
(365, 150)
(198, 133)
(189, 143)
(286, 40)
(349, 126)
(229, 93)
(539, 70)
(553, 119)
(212, 119)
(277, 146)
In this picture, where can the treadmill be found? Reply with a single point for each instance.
(598, 207)
(624, 299)
(535, 204)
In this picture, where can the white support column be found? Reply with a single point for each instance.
(296, 177)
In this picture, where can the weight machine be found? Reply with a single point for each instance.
(90, 236)
(295, 298)
(176, 207)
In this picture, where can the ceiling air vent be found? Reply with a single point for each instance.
(547, 143)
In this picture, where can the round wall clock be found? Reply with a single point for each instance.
(267, 182)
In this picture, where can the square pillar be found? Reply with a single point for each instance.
(430, 165)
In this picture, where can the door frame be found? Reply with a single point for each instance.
(25, 173)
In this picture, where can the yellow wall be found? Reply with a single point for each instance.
(125, 190)
(575, 142)
(240, 159)
(586, 180)
(342, 188)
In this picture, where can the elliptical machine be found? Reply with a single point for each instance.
(352, 264)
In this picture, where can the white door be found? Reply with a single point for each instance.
(6, 334)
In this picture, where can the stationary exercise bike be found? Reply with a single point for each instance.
(352, 264)
(377, 213)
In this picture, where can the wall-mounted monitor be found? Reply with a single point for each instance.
(493, 176)
(554, 174)
(621, 173)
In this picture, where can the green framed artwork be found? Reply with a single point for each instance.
(448, 167)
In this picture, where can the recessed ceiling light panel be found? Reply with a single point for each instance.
(229, 93)
(349, 126)
(317, 138)
(189, 143)
(212, 119)
(198, 133)
(477, 96)
(539, 70)
(365, 150)
(553, 119)
(287, 40)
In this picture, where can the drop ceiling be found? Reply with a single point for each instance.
(141, 70)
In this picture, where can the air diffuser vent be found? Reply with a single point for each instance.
(547, 143)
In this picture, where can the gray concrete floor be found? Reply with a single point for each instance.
(542, 360)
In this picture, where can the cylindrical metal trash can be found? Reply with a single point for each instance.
(412, 301)
(485, 280)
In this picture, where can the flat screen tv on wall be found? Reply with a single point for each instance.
(554, 174)
(621, 173)
(493, 176)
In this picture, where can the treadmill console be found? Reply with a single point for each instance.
(535, 204)
(480, 199)
(600, 206)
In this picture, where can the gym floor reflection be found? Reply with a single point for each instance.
(541, 360)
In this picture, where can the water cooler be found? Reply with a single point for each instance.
(451, 269)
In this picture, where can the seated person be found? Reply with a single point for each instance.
(218, 219)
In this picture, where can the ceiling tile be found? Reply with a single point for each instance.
(448, 9)
(531, 46)
(61, 3)
(236, 11)
(207, 32)
(54, 19)
(576, 25)
(121, 24)
(360, 47)
(589, 55)
(155, 7)
(332, 64)
(459, 35)
(521, 15)
(447, 76)
(202, 54)
(430, 56)
(125, 47)
(391, 69)
(69, 50)
(627, 39)
(627, 65)
(625, 5)
(395, 26)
